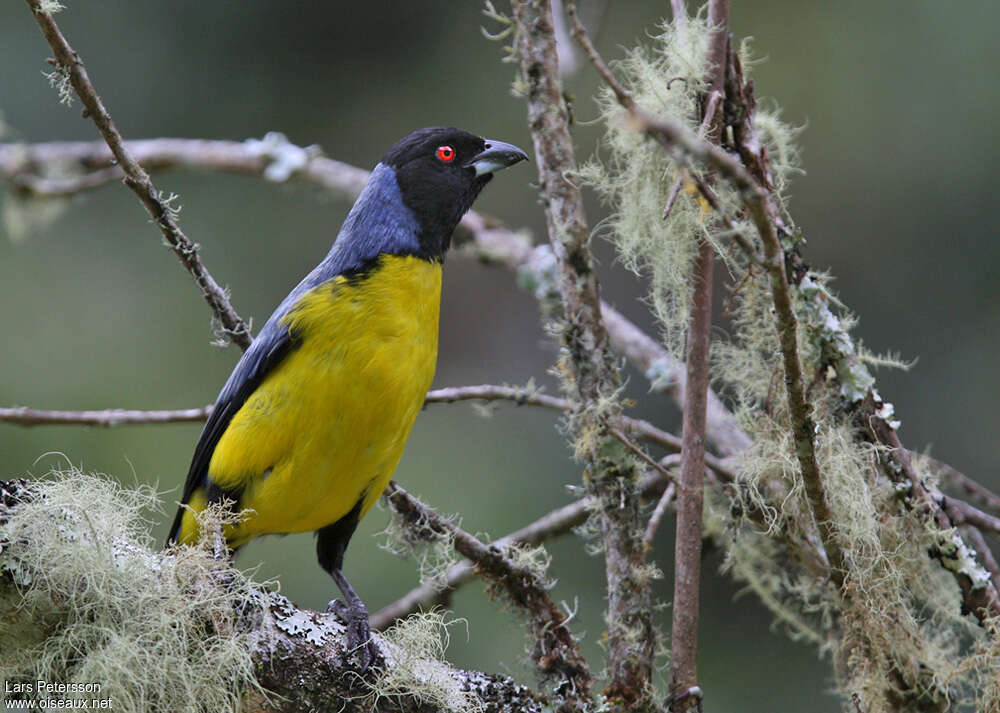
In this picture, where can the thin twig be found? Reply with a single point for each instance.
(557, 651)
(627, 442)
(23, 416)
(662, 505)
(493, 392)
(962, 513)
(957, 479)
(550, 525)
(157, 205)
(690, 491)
(711, 107)
(582, 37)
(672, 196)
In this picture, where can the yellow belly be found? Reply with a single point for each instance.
(327, 427)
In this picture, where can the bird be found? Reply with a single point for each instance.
(310, 425)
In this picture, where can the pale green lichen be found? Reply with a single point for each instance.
(832, 338)
(100, 603)
(59, 80)
(50, 7)
(895, 627)
(636, 176)
(416, 667)
(284, 158)
(433, 551)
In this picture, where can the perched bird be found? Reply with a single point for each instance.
(310, 426)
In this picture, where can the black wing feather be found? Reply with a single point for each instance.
(270, 347)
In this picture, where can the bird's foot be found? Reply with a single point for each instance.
(359, 636)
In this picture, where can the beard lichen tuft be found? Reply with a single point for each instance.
(100, 603)
(417, 669)
(895, 630)
(433, 551)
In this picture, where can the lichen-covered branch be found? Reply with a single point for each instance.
(300, 658)
(163, 631)
(588, 365)
(556, 651)
(979, 595)
(157, 205)
(761, 209)
(553, 524)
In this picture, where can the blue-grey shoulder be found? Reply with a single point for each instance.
(379, 223)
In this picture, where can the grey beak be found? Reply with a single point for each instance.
(496, 156)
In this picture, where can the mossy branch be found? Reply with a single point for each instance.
(590, 371)
(553, 524)
(163, 631)
(556, 652)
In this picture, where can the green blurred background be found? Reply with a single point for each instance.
(899, 100)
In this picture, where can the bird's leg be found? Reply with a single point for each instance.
(355, 616)
(331, 542)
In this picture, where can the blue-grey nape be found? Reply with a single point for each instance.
(379, 223)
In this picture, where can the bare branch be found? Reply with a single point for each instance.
(662, 505)
(491, 392)
(668, 374)
(136, 178)
(104, 418)
(690, 494)
(25, 416)
(962, 513)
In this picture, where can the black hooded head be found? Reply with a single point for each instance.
(440, 171)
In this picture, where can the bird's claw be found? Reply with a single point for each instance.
(359, 637)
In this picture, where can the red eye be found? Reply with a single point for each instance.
(446, 153)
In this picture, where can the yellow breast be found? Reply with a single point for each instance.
(327, 427)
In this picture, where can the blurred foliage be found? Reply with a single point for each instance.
(899, 99)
